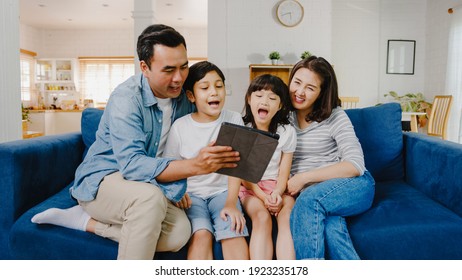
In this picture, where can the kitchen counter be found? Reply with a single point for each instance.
(54, 110)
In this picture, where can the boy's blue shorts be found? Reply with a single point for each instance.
(205, 214)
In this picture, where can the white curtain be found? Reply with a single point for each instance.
(454, 76)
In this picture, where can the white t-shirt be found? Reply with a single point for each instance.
(287, 144)
(165, 105)
(187, 137)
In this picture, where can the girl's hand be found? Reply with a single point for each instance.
(296, 183)
(185, 202)
(236, 216)
(276, 203)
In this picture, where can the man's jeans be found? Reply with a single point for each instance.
(317, 220)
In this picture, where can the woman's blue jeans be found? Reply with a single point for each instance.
(317, 220)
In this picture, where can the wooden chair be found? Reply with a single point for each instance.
(439, 115)
(349, 102)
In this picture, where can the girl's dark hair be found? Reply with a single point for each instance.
(198, 71)
(328, 98)
(157, 34)
(276, 85)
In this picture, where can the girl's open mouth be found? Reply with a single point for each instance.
(262, 113)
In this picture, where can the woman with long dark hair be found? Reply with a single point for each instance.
(329, 175)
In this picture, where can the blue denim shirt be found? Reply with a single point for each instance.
(127, 140)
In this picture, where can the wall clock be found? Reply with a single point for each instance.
(289, 12)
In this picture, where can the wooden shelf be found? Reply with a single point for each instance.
(282, 71)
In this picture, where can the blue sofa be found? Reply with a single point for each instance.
(416, 214)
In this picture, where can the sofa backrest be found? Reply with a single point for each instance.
(379, 131)
(89, 125)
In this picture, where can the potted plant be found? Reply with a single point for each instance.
(25, 117)
(274, 56)
(305, 54)
(412, 102)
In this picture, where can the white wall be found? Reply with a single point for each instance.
(436, 56)
(75, 43)
(361, 30)
(29, 38)
(10, 97)
(97, 42)
(402, 20)
(244, 32)
(351, 34)
(356, 48)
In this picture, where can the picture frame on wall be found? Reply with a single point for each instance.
(401, 57)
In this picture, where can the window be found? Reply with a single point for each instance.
(27, 64)
(99, 76)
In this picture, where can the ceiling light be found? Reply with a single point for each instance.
(42, 5)
(168, 4)
(105, 5)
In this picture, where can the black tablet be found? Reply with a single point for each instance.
(255, 147)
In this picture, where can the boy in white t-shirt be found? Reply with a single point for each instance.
(211, 202)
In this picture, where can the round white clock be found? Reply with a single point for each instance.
(289, 12)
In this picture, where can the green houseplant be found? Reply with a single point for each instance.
(25, 113)
(305, 54)
(274, 56)
(412, 102)
(25, 117)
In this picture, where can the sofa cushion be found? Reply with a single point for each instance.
(89, 125)
(33, 241)
(380, 133)
(405, 224)
(29, 241)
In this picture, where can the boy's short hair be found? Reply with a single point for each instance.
(198, 71)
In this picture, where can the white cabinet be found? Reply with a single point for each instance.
(52, 122)
(57, 82)
(62, 122)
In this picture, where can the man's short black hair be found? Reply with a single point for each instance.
(157, 34)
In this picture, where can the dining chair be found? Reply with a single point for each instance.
(439, 115)
(349, 102)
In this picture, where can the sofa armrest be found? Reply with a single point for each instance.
(434, 167)
(34, 169)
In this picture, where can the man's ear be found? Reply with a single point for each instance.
(144, 67)
(190, 96)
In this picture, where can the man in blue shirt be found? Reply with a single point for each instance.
(130, 191)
